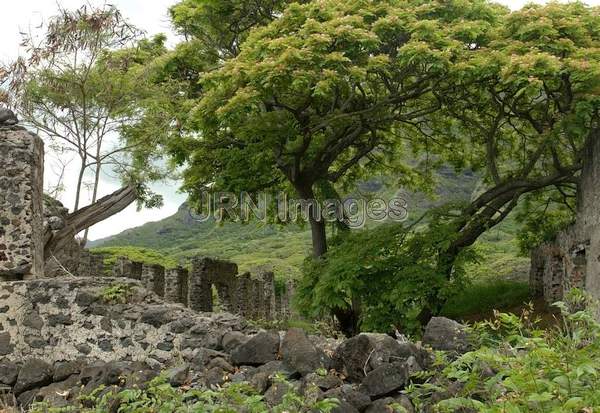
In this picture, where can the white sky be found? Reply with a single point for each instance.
(149, 15)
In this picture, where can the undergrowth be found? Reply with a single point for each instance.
(519, 368)
(160, 397)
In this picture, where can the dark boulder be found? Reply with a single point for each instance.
(349, 396)
(34, 373)
(66, 369)
(6, 346)
(260, 349)
(274, 396)
(325, 382)
(299, 353)
(358, 355)
(443, 334)
(8, 373)
(178, 376)
(232, 339)
(385, 379)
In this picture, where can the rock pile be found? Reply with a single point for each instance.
(60, 340)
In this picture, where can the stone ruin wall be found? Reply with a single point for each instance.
(26, 215)
(21, 200)
(572, 260)
(252, 297)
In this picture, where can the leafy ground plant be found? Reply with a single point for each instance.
(519, 368)
(160, 397)
(116, 293)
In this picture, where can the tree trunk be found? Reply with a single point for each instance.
(319, 237)
(86, 217)
(79, 185)
(317, 223)
(94, 198)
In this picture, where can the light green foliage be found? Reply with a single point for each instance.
(143, 255)
(543, 215)
(116, 293)
(159, 397)
(312, 98)
(391, 270)
(553, 371)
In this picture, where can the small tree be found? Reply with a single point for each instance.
(76, 98)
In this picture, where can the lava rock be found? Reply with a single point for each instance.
(156, 316)
(8, 373)
(34, 373)
(260, 349)
(33, 320)
(360, 354)
(64, 370)
(276, 393)
(6, 346)
(233, 339)
(443, 334)
(349, 398)
(278, 367)
(260, 381)
(215, 377)
(179, 376)
(221, 363)
(204, 356)
(385, 379)
(326, 382)
(299, 353)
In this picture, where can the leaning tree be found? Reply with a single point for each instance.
(520, 107)
(522, 111)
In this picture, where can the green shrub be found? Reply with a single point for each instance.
(392, 271)
(532, 370)
(116, 293)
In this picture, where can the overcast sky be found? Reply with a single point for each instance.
(149, 15)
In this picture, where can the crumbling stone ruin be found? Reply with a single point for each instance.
(572, 260)
(61, 339)
(88, 330)
(211, 285)
(27, 216)
(21, 197)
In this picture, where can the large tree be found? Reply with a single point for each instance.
(520, 108)
(313, 96)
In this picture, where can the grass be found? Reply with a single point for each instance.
(481, 298)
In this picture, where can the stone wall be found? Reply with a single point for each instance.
(60, 319)
(572, 260)
(211, 285)
(21, 199)
(26, 216)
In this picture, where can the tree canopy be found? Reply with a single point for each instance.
(315, 96)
